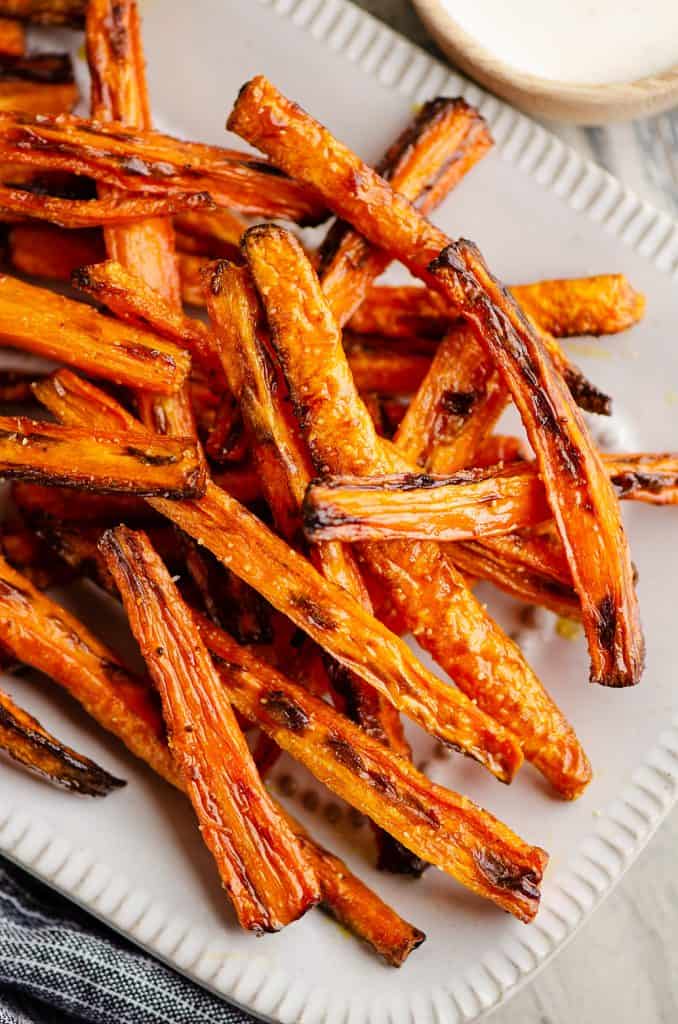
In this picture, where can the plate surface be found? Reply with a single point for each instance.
(135, 859)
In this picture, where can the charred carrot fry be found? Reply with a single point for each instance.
(116, 155)
(567, 307)
(323, 610)
(227, 440)
(46, 12)
(63, 505)
(261, 864)
(51, 325)
(133, 463)
(131, 299)
(285, 469)
(433, 597)
(12, 38)
(83, 213)
(31, 745)
(469, 504)
(581, 497)
(45, 636)
(472, 503)
(428, 819)
(441, 145)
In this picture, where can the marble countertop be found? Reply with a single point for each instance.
(622, 966)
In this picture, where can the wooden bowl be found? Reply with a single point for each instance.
(542, 97)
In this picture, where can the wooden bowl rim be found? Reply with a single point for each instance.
(476, 60)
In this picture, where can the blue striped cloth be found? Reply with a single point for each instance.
(58, 966)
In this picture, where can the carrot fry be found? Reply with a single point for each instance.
(191, 268)
(241, 481)
(432, 596)
(227, 440)
(116, 155)
(74, 457)
(131, 299)
(500, 448)
(285, 469)
(12, 38)
(46, 12)
(355, 906)
(39, 321)
(45, 636)
(29, 743)
(261, 864)
(443, 143)
(77, 213)
(582, 499)
(470, 504)
(603, 304)
(436, 824)
(37, 97)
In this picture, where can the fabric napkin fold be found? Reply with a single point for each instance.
(58, 965)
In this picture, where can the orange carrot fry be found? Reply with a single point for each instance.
(45, 636)
(603, 304)
(433, 597)
(438, 825)
(51, 325)
(132, 463)
(431, 156)
(43, 250)
(29, 743)
(581, 498)
(261, 864)
(83, 213)
(116, 155)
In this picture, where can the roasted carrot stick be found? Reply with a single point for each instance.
(355, 906)
(46, 12)
(443, 143)
(581, 498)
(396, 371)
(326, 612)
(133, 463)
(216, 235)
(602, 304)
(45, 636)
(500, 448)
(39, 321)
(285, 466)
(29, 743)
(131, 299)
(43, 250)
(116, 155)
(438, 825)
(261, 864)
(469, 504)
(432, 596)
(12, 38)
(83, 213)
(64, 505)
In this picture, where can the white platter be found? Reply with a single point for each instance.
(135, 859)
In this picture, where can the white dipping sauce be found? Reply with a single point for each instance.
(592, 42)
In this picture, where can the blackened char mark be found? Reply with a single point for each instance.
(458, 403)
(631, 481)
(503, 875)
(285, 711)
(148, 459)
(316, 615)
(607, 623)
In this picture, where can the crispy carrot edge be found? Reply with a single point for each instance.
(31, 745)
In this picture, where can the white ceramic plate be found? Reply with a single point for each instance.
(135, 859)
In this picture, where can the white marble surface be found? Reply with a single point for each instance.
(623, 964)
